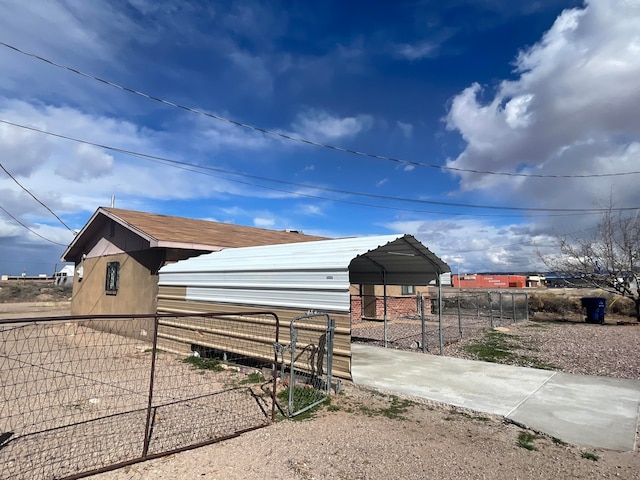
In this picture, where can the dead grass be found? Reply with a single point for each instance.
(18, 292)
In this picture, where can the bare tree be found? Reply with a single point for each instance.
(609, 259)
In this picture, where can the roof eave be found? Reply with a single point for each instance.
(89, 224)
(187, 246)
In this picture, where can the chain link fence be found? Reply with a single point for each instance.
(433, 322)
(83, 395)
(309, 359)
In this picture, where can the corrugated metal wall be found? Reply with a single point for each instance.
(178, 336)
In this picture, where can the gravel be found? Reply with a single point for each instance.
(610, 350)
(359, 441)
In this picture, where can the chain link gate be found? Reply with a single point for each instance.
(82, 395)
(310, 362)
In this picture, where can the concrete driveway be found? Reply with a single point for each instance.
(589, 411)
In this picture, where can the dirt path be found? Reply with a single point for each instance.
(34, 309)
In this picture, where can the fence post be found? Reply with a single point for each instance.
(331, 330)
(154, 351)
(513, 304)
(293, 336)
(490, 310)
(423, 325)
(386, 327)
(274, 386)
(459, 317)
(440, 318)
(501, 317)
(526, 305)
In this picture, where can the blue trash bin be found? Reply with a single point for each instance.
(596, 307)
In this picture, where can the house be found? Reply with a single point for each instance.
(118, 253)
(64, 276)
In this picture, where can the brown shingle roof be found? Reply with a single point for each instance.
(165, 228)
(179, 233)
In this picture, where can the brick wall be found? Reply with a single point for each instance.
(397, 307)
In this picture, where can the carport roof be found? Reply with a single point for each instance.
(375, 260)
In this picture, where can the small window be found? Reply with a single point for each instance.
(408, 290)
(113, 278)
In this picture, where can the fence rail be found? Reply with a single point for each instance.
(417, 323)
(82, 395)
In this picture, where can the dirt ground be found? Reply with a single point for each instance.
(367, 434)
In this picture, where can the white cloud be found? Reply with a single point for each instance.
(417, 51)
(21, 161)
(88, 162)
(72, 177)
(320, 125)
(308, 209)
(262, 222)
(406, 129)
(479, 245)
(574, 107)
(215, 135)
(381, 182)
(89, 36)
(516, 111)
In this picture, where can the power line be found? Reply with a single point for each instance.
(35, 198)
(313, 187)
(32, 231)
(300, 139)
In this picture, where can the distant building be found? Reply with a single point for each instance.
(477, 280)
(536, 281)
(64, 276)
(42, 277)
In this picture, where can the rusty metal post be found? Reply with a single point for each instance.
(275, 369)
(154, 351)
(423, 325)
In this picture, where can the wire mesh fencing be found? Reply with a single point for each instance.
(84, 395)
(385, 321)
(469, 314)
(309, 359)
(437, 322)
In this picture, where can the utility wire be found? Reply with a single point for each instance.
(360, 204)
(32, 231)
(313, 187)
(35, 198)
(300, 139)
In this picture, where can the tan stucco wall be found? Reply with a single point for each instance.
(137, 292)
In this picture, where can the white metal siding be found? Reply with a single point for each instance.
(308, 275)
(331, 301)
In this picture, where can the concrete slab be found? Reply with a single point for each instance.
(463, 383)
(588, 411)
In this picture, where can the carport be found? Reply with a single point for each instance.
(293, 279)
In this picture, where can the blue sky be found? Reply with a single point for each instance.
(546, 92)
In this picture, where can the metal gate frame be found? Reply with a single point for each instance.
(151, 406)
(310, 362)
